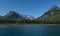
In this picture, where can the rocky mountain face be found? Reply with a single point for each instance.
(52, 14)
(12, 15)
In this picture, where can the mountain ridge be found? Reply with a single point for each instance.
(51, 16)
(15, 15)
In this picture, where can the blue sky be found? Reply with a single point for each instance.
(27, 7)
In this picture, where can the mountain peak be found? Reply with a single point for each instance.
(12, 12)
(52, 14)
(53, 7)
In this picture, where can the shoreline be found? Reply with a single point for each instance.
(29, 24)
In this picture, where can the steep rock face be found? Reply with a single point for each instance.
(52, 14)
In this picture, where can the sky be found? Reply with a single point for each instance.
(34, 8)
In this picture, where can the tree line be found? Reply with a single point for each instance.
(28, 22)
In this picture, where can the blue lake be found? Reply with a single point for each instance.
(30, 30)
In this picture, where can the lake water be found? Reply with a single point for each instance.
(30, 30)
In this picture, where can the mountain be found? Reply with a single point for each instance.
(12, 15)
(0, 17)
(27, 17)
(53, 13)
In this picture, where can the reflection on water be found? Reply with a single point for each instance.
(30, 30)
